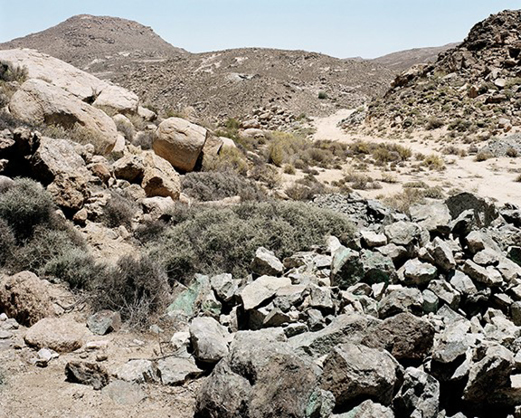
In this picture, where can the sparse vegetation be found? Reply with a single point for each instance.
(216, 240)
(434, 162)
(119, 210)
(205, 186)
(483, 156)
(136, 287)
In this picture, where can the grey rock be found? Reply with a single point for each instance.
(262, 289)
(124, 393)
(395, 252)
(434, 217)
(224, 394)
(487, 257)
(209, 340)
(103, 322)
(488, 276)
(419, 395)
(175, 371)
(368, 409)
(416, 273)
(347, 327)
(225, 286)
(295, 329)
(321, 298)
(373, 239)
(405, 336)
(430, 301)
(484, 211)
(346, 268)
(265, 263)
(137, 371)
(402, 233)
(400, 299)
(488, 375)
(354, 371)
(463, 283)
(445, 292)
(442, 254)
(87, 373)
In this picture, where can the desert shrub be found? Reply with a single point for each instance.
(512, 153)
(149, 230)
(25, 206)
(285, 148)
(136, 287)
(289, 169)
(359, 181)
(322, 95)
(144, 140)
(388, 178)
(119, 210)
(76, 267)
(7, 242)
(434, 162)
(205, 186)
(44, 245)
(126, 128)
(13, 73)
(459, 125)
(229, 159)
(483, 156)
(434, 123)
(217, 239)
(305, 192)
(435, 192)
(266, 174)
(8, 121)
(403, 201)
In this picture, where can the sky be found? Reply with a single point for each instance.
(341, 28)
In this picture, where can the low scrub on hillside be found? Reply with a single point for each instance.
(224, 239)
(205, 186)
(32, 235)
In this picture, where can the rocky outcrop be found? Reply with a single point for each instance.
(179, 142)
(82, 85)
(40, 102)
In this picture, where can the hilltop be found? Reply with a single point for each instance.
(86, 40)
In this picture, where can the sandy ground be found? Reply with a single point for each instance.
(493, 178)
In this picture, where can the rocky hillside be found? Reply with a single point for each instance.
(87, 40)
(234, 82)
(403, 60)
(473, 88)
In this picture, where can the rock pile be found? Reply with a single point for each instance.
(419, 316)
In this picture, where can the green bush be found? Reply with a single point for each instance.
(205, 186)
(136, 288)
(217, 239)
(25, 206)
(76, 267)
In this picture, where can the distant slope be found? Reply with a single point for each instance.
(403, 60)
(85, 39)
(234, 82)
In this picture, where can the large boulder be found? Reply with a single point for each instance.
(58, 334)
(40, 102)
(84, 86)
(209, 340)
(419, 395)
(25, 297)
(159, 178)
(405, 336)
(179, 142)
(354, 372)
(484, 211)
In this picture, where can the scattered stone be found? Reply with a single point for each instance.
(138, 371)
(87, 374)
(209, 340)
(103, 322)
(59, 334)
(174, 371)
(265, 263)
(124, 393)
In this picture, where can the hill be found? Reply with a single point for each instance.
(473, 89)
(217, 84)
(403, 60)
(234, 82)
(85, 40)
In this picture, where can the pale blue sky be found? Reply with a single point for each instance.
(342, 28)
